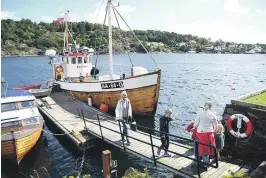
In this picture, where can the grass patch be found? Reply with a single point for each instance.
(138, 174)
(236, 175)
(258, 99)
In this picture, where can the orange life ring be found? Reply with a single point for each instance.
(239, 117)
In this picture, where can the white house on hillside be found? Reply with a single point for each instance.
(192, 42)
(182, 44)
(209, 48)
(155, 44)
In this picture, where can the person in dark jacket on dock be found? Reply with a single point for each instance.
(164, 127)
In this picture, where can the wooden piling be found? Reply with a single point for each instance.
(107, 160)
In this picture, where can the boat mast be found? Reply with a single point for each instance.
(65, 36)
(110, 39)
(66, 31)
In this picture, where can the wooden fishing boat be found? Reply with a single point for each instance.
(28, 87)
(74, 71)
(21, 124)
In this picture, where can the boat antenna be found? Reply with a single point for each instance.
(134, 35)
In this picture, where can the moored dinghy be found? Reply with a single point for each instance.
(43, 92)
(28, 87)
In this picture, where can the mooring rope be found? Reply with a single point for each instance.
(66, 133)
(23, 174)
(82, 160)
(36, 173)
(46, 171)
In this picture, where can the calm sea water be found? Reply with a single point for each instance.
(188, 80)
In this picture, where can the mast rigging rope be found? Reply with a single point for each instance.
(120, 36)
(135, 35)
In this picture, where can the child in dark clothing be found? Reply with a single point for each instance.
(219, 139)
(164, 127)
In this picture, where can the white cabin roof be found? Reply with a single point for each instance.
(16, 96)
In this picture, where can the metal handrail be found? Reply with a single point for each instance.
(152, 145)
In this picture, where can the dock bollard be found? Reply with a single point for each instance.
(107, 159)
(108, 164)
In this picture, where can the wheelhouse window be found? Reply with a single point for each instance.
(10, 124)
(8, 107)
(26, 104)
(73, 60)
(67, 60)
(80, 60)
(85, 59)
(90, 59)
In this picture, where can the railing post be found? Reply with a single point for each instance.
(100, 126)
(197, 156)
(121, 135)
(84, 120)
(154, 160)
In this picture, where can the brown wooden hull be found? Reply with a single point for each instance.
(143, 100)
(16, 149)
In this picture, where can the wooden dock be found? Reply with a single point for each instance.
(62, 111)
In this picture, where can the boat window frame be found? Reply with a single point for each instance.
(85, 59)
(73, 59)
(80, 60)
(11, 124)
(21, 107)
(15, 103)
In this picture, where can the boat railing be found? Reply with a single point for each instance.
(151, 136)
(86, 79)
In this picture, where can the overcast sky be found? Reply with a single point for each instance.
(230, 20)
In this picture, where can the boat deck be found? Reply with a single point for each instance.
(62, 111)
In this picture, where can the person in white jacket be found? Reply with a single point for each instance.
(206, 124)
(123, 113)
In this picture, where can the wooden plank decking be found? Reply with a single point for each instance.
(63, 112)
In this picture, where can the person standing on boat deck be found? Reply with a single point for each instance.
(206, 124)
(81, 78)
(123, 113)
(164, 127)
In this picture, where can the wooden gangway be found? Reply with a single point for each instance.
(66, 113)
